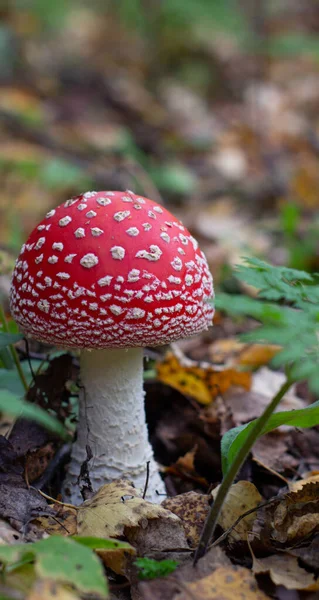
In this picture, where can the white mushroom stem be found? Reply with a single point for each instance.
(112, 423)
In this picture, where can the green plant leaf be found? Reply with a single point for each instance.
(150, 569)
(96, 543)
(9, 338)
(234, 438)
(63, 560)
(13, 405)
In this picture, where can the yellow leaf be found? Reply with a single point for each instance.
(203, 384)
(46, 589)
(64, 523)
(236, 353)
(241, 497)
(225, 583)
(117, 510)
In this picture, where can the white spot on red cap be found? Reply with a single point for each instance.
(51, 213)
(39, 243)
(79, 232)
(44, 306)
(118, 252)
(90, 214)
(158, 209)
(116, 310)
(133, 275)
(96, 231)
(82, 206)
(88, 195)
(69, 258)
(53, 259)
(105, 280)
(57, 246)
(165, 237)
(63, 275)
(103, 201)
(38, 259)
(177, 264)
(40, 227)
(89, 260)
(65, 221)
(147, 226)
(70, 202)
(121, 215)
(153, 254)
(133, 231)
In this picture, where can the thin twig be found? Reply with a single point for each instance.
(53, 499)
(234, 525)
(147, 479)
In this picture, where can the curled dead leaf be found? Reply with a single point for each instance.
(284, 570)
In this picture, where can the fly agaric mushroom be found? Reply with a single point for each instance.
(108, 273)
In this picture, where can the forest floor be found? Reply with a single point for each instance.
(234, 153)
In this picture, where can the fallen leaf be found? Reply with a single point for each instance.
(63, 522)
(63, 560)
(50, 590)
(203, 384)
(116, 510)
(241, 497)
(235, 353)
(9, 535)
(308, 554)
(292, 518)
(166, 587)
(226, 583)
(295, 486)
(192, 508)
(185, 468)
(284, 570)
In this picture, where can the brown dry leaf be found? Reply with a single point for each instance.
(203, 384)
(116, 510)
(37, 461)
(236, 353)
(192, 508)
(22, 102)
(295, 486)
(46, 589)
(284, 570)
(9, 535)
(305, 183)
(226, 583)
(185, 468)
(241, 497)
(293, 518)
(63, 523)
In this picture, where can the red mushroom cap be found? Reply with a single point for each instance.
(111, 270)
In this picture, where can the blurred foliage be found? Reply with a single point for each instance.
(290, 317)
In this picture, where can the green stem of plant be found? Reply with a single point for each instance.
(212, 519)
(13, 350)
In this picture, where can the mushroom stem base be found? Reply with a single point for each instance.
(112, 424)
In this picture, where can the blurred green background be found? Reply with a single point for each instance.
(210, 107)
